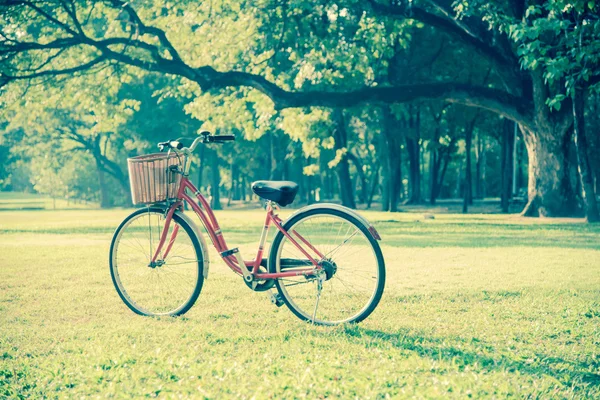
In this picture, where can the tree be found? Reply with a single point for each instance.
(46, 36)
(365, 126)
(563, 46)
(441, 144)
(509, 130)
(68, 117)
(468, 182)
(413, 148)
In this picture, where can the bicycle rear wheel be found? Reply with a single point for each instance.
(353, 277)
(172, 284)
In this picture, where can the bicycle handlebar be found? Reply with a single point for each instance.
(188, 145)
(221, 138)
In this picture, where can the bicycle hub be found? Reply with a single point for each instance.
(157, 263)
(329, 267)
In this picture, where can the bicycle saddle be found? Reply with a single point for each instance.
(281, 192)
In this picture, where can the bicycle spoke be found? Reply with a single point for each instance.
(168, 284)
(350, 269)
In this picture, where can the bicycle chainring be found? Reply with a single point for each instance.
(261, 285)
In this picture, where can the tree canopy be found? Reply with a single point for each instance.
(281, 68)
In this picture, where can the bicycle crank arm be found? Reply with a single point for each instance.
(240, 260)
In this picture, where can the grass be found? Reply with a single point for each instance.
(32, 201)
(475, 306)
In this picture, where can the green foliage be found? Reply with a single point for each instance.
(562, 39)
(68, 118)
(120, 108)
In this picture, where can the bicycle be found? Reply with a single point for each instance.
(324, 262)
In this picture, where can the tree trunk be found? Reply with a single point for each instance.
(216, 182)
(343, 167)
(242, 186)
(586, 173)
(433, 176)
(201, 164)
(468, 178)
(385, 174)
(394, 159)
(507, 162)
(445, 162)
(309, 187)
(104, 200)
(373, 187)
(549, 190)
(483, 168)
(272, 163)
(478, 167)
(231, 193)
(364, 189)
(235, 181)
(460, 179)
(105, 165)
(414, 175)
(439, 159)
(396, 178)
(516, 165)
(434, 166)
(413, 149)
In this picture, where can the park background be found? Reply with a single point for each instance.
(468, 116)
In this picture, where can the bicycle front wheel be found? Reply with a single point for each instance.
(171, 284)
(352, 279)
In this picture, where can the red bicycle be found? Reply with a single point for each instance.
(325, 261)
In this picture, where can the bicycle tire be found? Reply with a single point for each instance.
(275, 266)
(113, 265)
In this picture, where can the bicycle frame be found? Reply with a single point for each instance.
(207, 216)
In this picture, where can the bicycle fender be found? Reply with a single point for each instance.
(338, 207)
(201, 240)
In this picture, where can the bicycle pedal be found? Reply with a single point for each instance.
(276, 299)
(229, 252)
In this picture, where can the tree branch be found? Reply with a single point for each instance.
(72, 13)
(500, 102)
(54, 72)
(449, 25)
(27, 46)
(49, 17)
(101, 44)
(145, 29)
(495, 100)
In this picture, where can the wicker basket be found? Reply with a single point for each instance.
(151, 178)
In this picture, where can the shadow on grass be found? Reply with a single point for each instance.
(480, 357)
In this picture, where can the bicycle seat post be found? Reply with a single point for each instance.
(272, 206)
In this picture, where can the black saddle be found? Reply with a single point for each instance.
(281, 192)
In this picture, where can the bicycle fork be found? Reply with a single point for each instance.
(163, 237)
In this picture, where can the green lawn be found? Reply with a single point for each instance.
(33, 201)
(475, 306)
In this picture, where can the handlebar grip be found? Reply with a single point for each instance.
(222, 138)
